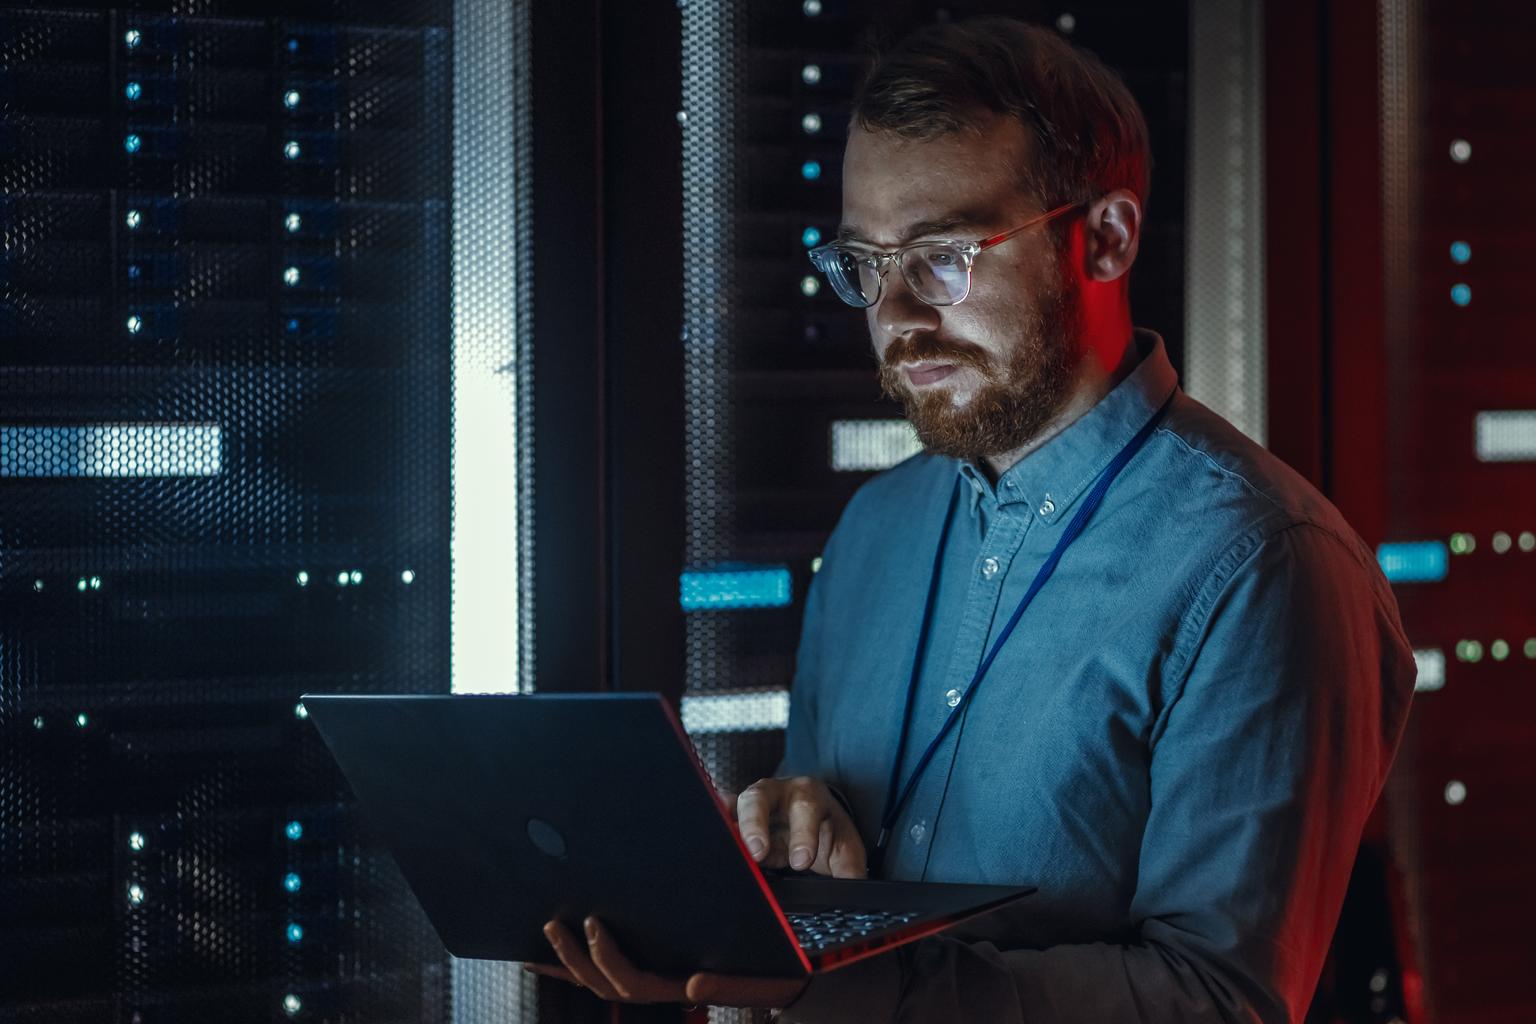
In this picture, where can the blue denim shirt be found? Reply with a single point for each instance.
(1179, 743)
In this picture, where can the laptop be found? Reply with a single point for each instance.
(507, 811)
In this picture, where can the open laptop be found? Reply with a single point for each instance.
(506, 811)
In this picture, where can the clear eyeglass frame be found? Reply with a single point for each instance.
(937, 271)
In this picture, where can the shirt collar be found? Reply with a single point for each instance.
(1050, 479)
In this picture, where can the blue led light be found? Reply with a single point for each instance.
(810, 170)
(133, 90)
(292, 326)
(133, 271)
(743, 587)
(1461, 252)
(294, 830)
(132, 143)
(292, 882)
(1461, 294)
(1414, 561)
(810, 238)
(295, 933)
(293, 46)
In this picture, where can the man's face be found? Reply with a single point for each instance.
(985, 376)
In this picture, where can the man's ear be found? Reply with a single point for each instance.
(1111, 235)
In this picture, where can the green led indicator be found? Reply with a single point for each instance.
(1463, 544)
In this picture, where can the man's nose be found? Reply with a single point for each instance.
(899, 311)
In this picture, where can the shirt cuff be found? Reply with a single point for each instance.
(867, 990)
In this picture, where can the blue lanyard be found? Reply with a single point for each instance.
(895, 802)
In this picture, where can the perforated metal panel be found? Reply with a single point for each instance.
(224, 421)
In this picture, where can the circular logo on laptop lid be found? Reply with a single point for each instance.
(547, 838)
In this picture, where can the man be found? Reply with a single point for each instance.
(1184, 729)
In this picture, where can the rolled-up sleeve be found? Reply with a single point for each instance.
(1290, 681)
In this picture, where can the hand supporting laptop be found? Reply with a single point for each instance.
(795, 822)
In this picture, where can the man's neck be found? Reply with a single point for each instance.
(1093, 383)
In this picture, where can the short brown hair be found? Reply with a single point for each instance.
(1089, 135)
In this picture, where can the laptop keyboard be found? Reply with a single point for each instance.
(824, 929)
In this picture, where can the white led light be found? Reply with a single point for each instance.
(293, 222)
(300, 711)
(303, 578)
(863, 445)
(810, 74)
(343, 578)
(82, 720)
(816, 564)
(291, 98)
(95, 582)
(292, 1004)
(811, 123)
(736, 712)
(1501, 542)
(1431, 666)
(407, 576)
(291, 150)
(133, 219)
(135, 841)
(811, 8)
(1527, 541)
(1506, 435)
(682, 117)
(357, 576)
(132, 39)
(1455, 792)
(1461, 151)
(37, 585)
(134, 323)
(291, 276)
(38, 723)
(1499, 649)
(1066, 23)
(135, 893)
(809, 286)
(112, 450)
(81, 584)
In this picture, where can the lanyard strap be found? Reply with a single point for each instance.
(895, 801)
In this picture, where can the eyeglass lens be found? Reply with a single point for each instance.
(937, 274)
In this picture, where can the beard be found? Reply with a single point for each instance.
(1013, 405)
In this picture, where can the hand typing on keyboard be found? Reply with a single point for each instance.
(798, 822)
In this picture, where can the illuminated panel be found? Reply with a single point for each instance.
(736, 587)
(1506, 436)
(864, 445)
(1414, 562)
(112, 450)
(1431, 664)
(736, 712)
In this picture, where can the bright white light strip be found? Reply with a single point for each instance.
(1431, 663)
(863, 445)
(1506, 436)
(736, 712)
(112, 450)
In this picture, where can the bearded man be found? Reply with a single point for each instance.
(1094, 639)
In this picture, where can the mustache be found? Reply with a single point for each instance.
(930, 348)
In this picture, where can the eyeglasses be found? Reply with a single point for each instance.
(939, 273)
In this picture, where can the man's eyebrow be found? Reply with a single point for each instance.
(851, 233)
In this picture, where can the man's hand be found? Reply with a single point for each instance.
(800, 823)
(599, 965)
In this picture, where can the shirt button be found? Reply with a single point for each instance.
(989, 568)
(1048, 507)
(952, 697)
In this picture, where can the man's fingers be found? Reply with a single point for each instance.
(631, 983)
(754, 807)
(551, 972)
(574, 956)
(806, 814)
